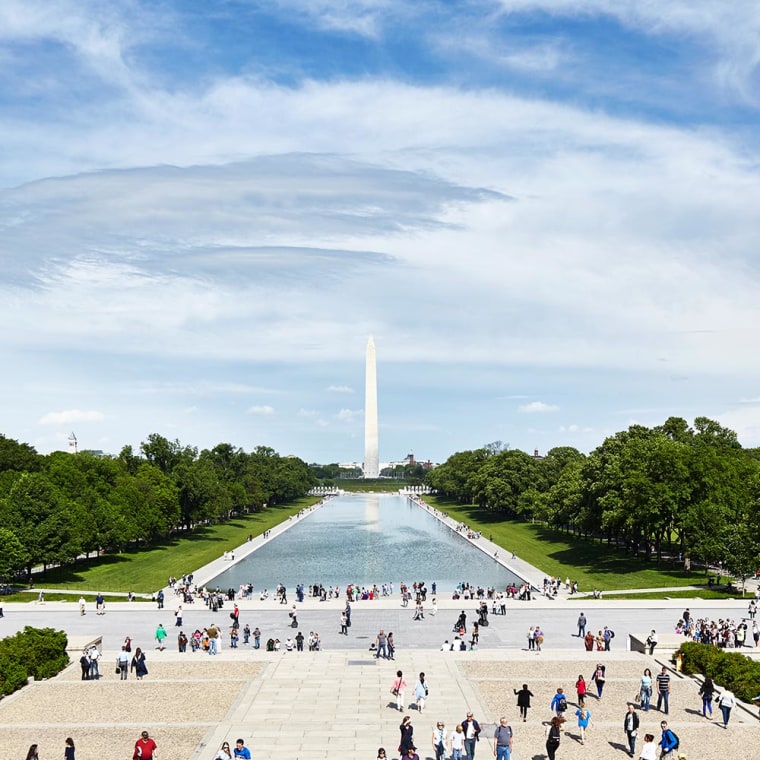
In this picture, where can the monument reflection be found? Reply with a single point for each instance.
(366, 539)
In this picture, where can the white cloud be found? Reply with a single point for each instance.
(263, 410)
(537, 407)
(307, 413)
(349, 415)
(340, 389)
(70, 416)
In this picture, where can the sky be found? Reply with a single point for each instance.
(545, 212)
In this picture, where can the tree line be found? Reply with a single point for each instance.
(692, 491)
(57, 507)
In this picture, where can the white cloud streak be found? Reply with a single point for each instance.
(71, 416)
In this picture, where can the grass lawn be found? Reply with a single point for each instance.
(32, 596)
(706, 593)
(384, 485)
(592, 564)
(147, 570)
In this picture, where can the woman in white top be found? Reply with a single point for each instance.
(726, 701)
(224, 752)
(649, 748)
(439, 741)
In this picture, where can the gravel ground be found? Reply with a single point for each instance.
(176, 704)
(701, 739)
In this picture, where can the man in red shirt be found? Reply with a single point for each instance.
(145, 748)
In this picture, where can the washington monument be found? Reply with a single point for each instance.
(371, 454)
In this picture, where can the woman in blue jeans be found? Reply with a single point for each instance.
(707, 689)
(645, 691)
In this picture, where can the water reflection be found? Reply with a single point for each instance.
(366, 539)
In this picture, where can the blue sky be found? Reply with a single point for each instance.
(544, 211)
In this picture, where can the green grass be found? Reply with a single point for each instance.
(145, 571)
(592, 564)
(32, 596)
(706, 593)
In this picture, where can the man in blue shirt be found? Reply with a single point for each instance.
(668, 742)
(241, 750)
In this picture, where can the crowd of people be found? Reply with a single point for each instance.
(725, 633)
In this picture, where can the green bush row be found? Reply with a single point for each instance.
(37, 652)
(730, 670)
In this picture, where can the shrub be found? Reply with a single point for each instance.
(731, 670)
(37, 652)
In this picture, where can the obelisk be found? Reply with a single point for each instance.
(371, 454)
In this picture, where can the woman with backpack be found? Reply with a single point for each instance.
(598, 678)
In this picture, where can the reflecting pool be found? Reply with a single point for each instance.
(366, 539)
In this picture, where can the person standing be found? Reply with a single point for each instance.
(631, 728)
(100, 604)
(256, 638)
(439, 740)
(588, 641)
(397, 689)
(391, 646)
(94, 654)
(421, 692)
(213, 639)
(84, 664)
(707, 690)
(178, 617)
(160, 636)
(407, 734)
(160, 599)
(69, 749)
(182, 642)
(241, 751)
(726, 702)
(582, 622)
(663, 689)
(553, 735)
(82, 605)
(471, 729)
(531, 638)
(145, 747)
(344, 623)
(523, 700)
(584, 718)
(502, 740)
(645, 690)
(381, 643)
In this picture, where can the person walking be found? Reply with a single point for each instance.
(145, 747)
(82, 605)
(420, 692)
(178, 617)
(160, 635)
(599, 678)
(344, 623)
(649, 748)
(663, 689)
(631, 728)
(439, 740)
(33, 754)
(397, 689)
(502, 740)
(726, 702)
(645, 689)
(457, 742)
(122, 663)
(559, 703)
(652, 641)
(407, 734)
(138, 664)
(582, 622)
(531, 638)
(553, 735)
(523, 700)
(668, 742)
(471, 729)
(707, 690)
(391, 646)
(241, 752)
(584, 718)
(580, 690)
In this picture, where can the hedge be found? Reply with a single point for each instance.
(34, 652)
(730, 670)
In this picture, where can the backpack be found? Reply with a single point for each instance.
(612, 634)
(675, 739)
(561, 704)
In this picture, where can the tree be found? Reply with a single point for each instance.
(13, 557)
